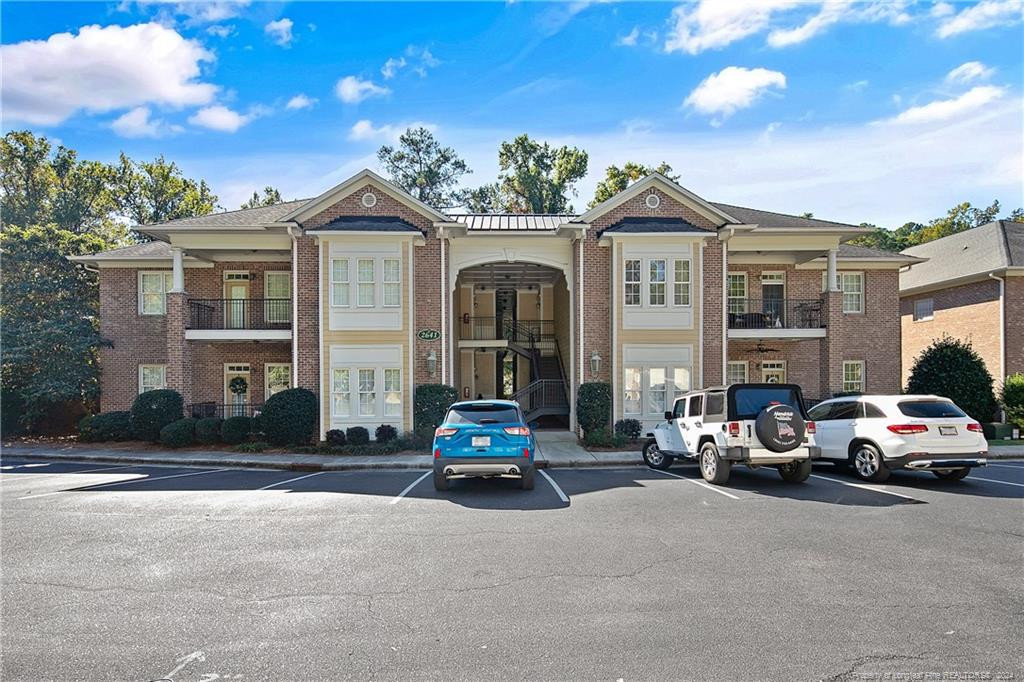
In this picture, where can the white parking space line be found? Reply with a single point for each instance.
(703, 484)
(993, 480)
(409, 487)
(64, 473)
(297, 478)
(561, 495)
(1006, 466)
(874, 489)
(143, 479)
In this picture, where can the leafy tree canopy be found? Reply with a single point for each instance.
(953, 369)
(425, 169)
(617, 179)
(958, 219)
(270, 197)
(156, 191)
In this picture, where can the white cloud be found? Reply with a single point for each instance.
(102, 69)
(352, 89)
(731, 89)
(391, 67)
(195, 13)
(985, 14)
(830, 13)
(417, 59)
(137, 123)
(941, 9)
(969, 71)
(856, 86)
(364, 130)
(301, 101)
(221, 30)
(711, 24)
(628, 40)
(280, 31)
(970, 102)
(219, 117)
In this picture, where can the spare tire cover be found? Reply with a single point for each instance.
(780, 428)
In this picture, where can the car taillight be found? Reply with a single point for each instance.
(812, 427)
(517, 430)
(437, 453)
(526, 452)
(734, 428)
(976, 427)
(907, 429)
(441, 432)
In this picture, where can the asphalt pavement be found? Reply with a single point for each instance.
(114, 572)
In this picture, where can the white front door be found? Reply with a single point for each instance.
(773, 372)
(236, 389)
(237, 295)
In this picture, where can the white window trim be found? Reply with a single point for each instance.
(730, 298)
(385, 282)
(839, 286)
(746, 369)
(167, 284)
(332, 392)
(688, 282)
(266, 376)
(378, 389)
(863, 375)
(645, 388)
(347, 281)
(650, 282)
(385, 391)
(162, 367)
(287, 310)
(638, 283)
(645, 283)
(372, 282)
(775, 365)
(924, 318)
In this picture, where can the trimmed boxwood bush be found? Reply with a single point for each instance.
(952, 369)
(336, 437)
(430, 403)
(109, 426)
(357, 435)
(152, 411)
(235, 430)
(594, 405)
(385, 433)
(178, 434)
(628, 428)
(1012, 396)
(289, 417)
(208, 430)
(601, 437)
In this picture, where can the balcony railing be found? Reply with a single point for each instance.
(777, 313)
(214, 409)
(503, 329)
(239, 313)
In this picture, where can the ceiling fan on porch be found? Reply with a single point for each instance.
(761, 348)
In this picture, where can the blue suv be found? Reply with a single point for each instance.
(484, 439)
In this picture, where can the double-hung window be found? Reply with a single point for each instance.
(365, 284)
(392, 392)
(736, 290)
(339, 282)
(736, 372)
(681, 282)
(853, 376)
(656, 282)
(924, 309)
(645, 282)
(152, 377)
(278, 292)
(631, 293)
(632, 384)
(648, 391)
(392, 287)
(341, 393)
(153, 288)
(367, 393)
(851, 284)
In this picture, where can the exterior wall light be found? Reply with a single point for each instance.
(432, 363)
(595, 363)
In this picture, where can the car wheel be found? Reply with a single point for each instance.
(713, 468)
(795, 472)
(655, 458)
(527, 480)
(953, 474)
(440, 481)
(868, 464)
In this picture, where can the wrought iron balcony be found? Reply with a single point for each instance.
(239, 313)
(505, 329)
(777, 313)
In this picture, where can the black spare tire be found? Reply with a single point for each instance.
(780, 428)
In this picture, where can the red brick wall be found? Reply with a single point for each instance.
(969, 312)
(801, 358)
(873, 336)
(308, 313)
(208, 361)
(713, 282)
(1014, 313)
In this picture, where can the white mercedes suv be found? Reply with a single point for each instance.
(875, 434)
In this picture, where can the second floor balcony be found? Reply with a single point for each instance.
(492, 328)
(239, 318)
(777, 317)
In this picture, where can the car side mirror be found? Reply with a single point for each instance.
(668, 416)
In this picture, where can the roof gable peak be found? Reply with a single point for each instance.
(350, 185)
(673, 189)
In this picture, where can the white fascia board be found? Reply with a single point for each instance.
(238, 334)
(343, 189)
(363, 233)
(777, 334)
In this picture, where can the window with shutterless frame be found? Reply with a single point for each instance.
(853, 376)
(851, 285)
(924, 309)
(656, 282)
(152, 377)
(153, 288)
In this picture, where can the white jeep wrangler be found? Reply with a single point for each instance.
(753, 424)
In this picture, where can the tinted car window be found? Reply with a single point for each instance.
(819, 413)
(847, 410)
(483, 414)
(696, 406)
(750, 401)
(936, 409)
(679, 409)
(716, 403)
(872, 412)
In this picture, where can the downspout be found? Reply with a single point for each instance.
(444, 353)
(725, 312)
(579, 303)
(1002, 324)
(295, 307)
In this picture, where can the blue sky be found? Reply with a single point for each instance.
(875, 111)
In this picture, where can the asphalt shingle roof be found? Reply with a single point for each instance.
(369, 224)
(754, 216)
(647, 225)
(241, 217)
(992, 246)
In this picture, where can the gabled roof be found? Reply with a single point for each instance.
(333, 195)
(676, 191)
(653, 226)
(753, 216)
(369, 224)
(245, 217)
(976, 252)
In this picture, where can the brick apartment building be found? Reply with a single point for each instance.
(968, 288)
(363, 293)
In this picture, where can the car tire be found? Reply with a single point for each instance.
(440, 481)
(795, 472)
(527, 482)
(713, 468)
(868, 463)
(655, 458)
(953, 474)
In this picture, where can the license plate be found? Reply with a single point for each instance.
(481, 441)
(947, 430)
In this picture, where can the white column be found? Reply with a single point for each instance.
(178, 276)
(832, 271)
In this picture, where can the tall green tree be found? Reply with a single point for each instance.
(617, 179)
(270, 197)
(961, 217)
(424, 168)
(534, 177)
(156, 191)
(26, 178)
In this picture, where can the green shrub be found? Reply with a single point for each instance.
(953, 369)
(594, 406)
(85, 433)
(111, 426)
(418, 441)
(357, 435)
(336, 438)
(257, 446)
(628, 428)
(208, 430)
(152, 411)
(385, 433)
(235, 430)
(290, 417)
(430, 403)
(1012, 397)
(179, 434)
(601, 437)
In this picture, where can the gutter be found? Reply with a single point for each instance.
(1002, 324)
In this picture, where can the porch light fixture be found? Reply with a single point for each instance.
(595, 363)
(432, 363)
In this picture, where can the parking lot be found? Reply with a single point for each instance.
(146, 573)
